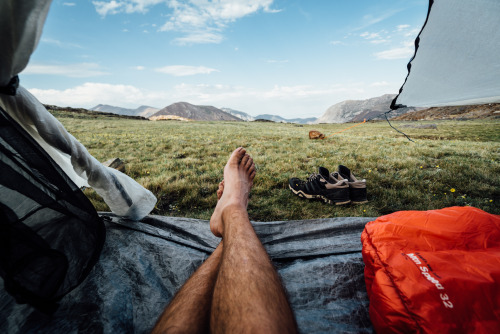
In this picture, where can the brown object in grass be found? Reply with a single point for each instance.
(313, 134)
(115, 163)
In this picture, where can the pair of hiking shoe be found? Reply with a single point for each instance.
(337, 188)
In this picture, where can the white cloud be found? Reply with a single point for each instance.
(82, 70)
(379, 84)
(380, 41)
(200, 21)
(69, 4)
(139, 68)
(104, 8)
(402, 27)
(396, 53)
(183, 70)
(202, 37)
(368, 35)
(89, 95)
(412, 33)
(405, 49)
(376, 37)
(287, 101)
(213, 94)
(336, 43)
(232, 10)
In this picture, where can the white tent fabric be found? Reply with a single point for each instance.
(21, 25)
(456, 60)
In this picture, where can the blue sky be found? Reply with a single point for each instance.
(291, 58)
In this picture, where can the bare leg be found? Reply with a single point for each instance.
(240, 169)
(189, 310)
(248, 294)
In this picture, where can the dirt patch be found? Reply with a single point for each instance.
(491, 110)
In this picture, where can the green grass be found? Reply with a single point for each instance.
(182, 163)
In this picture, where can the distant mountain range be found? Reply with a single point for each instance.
(240, 114)
(345, 111)
(275, 118)
(197, 113)
(144, 111)
(358, 110)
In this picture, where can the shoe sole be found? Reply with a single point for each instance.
(302, 194)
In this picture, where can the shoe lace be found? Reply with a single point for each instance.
(312, 177)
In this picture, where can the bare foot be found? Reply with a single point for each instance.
(239, 173)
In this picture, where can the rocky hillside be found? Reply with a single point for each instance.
(240, 114)
(146, 111)
(143, 111)
(491, 110)
(357, 110)
(168, 118)
(198, 113)
(85, 113)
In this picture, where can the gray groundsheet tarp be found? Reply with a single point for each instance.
(144, 263)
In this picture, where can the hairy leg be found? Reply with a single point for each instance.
(248, 294)
(189, 310)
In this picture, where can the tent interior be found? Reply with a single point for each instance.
(67, 268)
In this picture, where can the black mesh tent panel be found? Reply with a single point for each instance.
(50, 234)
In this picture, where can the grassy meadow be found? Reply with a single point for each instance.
(181, 163)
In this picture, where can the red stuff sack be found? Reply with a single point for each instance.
(434, 271)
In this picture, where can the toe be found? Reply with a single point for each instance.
(244, 160)
(249, 163)
(236, 156)
(220, 190)
(252, 168)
